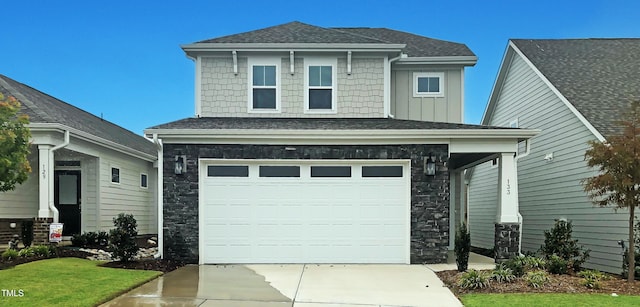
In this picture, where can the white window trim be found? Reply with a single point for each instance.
(111, 174)
(439, 75)
(267, 61)
(321, 61)
(514, 123)
(140, 180)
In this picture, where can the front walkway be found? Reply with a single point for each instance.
(299, 285)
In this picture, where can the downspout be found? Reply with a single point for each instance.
(159, 191)
(527, 151)
(388, 76)
(52, 207)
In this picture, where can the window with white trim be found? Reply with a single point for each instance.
(320, 85)
(428, 84)
(115, 175)
(144, 180)
(264, 81)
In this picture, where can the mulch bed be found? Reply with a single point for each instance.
(162, 265)
(558, 284)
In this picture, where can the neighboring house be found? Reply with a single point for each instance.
(324, 145)
(574, 90)
(85, 170)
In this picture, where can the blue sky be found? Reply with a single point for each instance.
(122, 60)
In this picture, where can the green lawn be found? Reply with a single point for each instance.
(67, 282)
(548, 300)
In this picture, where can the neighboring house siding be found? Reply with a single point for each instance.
(440, 109)
(552, 190)
(23, 201)
(483, 197)
(225, 94)
(90, 216)
(127, 196)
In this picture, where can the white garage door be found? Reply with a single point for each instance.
(304, 212)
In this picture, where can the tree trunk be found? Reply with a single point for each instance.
(632, 246)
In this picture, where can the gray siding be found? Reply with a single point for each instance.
(225, 94)
(439, 109)
(23, 201)
(548, 190)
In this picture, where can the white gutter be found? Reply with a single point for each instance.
(159, 192)
(520, 220)
(445, 60)
(387, 84)
(52, 207)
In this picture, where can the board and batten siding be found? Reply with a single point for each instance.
(127, 196)
(359, 94)
(22, 202)
(440, 109)
(548, 190)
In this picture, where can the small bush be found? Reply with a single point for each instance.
(42, 250)
(27, 233)
(592, 278)
(10, 254)
(503, 274)
(521, 264)
(537, 279)
(534, 263)
(102, 238)
(122, 238)
(26, 252)
(462, 247)
(558, 241)
(557, 265)
(79, 240)
(474, 280)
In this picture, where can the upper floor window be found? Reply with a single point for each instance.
(428, 84)
(264, 89)
(320, 83)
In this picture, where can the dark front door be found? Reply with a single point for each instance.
(67, 200)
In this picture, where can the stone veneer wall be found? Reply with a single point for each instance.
(41, 230)
(429, 194)
(507, 241)
(225, 94)
(6, 232)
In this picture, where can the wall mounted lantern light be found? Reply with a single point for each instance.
(180, 166)
(430, 165)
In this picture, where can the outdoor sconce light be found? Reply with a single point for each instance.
(12, 225)
(180, 166)
(430, 165)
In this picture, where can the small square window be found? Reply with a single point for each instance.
(115, 175)
(428, 84)
(144, 181)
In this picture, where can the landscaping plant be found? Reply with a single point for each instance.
(558, 241)
(462, 247)
(27, 233)
(503, 274)
(537, 279)
(592, 278)
(10, 254)
(122, 238)
(473, 279)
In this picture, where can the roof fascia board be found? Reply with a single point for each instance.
(507, 57)
(571, 107)
(292, 46)
(457, 60)
(45, 127)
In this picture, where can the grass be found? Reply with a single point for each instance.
(548, 300)
(67, 282)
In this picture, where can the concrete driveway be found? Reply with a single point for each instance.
(293, 285)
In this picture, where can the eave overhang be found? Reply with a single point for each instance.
(194, 49)
(442, 60)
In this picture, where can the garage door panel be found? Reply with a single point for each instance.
(304, 219)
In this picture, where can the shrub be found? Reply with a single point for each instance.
(122, 238)
(26, 252)
(558, 241)
(503, 274)
(27, 233)
(462, 247)
(474, 280)
(537, 279)
(42, 250)
(516, 265)
(557, 265)
(625, 256)
(79, 240)
(102, 238)
(10, 254)
(592, 278)
(534, 263)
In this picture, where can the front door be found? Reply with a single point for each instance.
(67, 200)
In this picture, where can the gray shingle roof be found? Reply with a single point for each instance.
(600, 77)
(43, 108)
(258, 123)
(297, 32)
(417, 46)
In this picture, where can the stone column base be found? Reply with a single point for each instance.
(507, 241)
(41, 230)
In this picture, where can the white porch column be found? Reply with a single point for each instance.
(45, 179)
(507, 189)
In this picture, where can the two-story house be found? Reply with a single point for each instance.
(325, 145)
